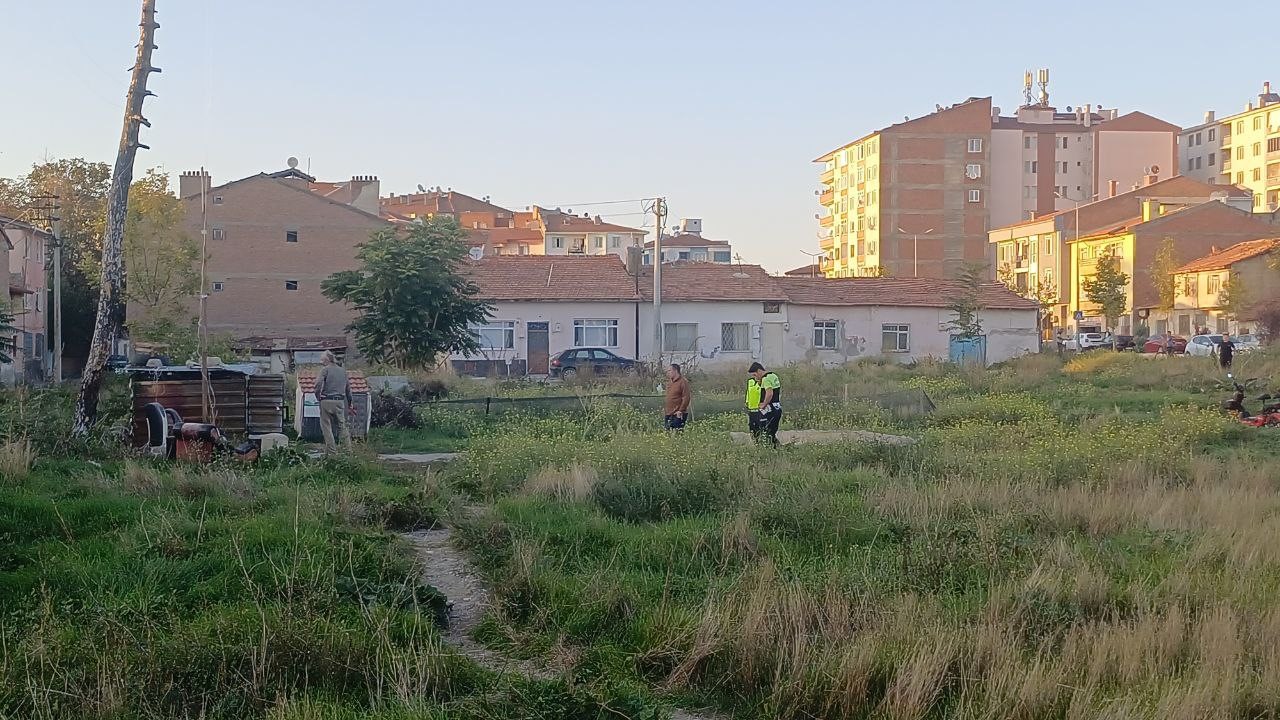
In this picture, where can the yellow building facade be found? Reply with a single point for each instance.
(1085, 254)
(850, 218)
(1251, 152)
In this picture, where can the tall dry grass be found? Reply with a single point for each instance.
(17, 457)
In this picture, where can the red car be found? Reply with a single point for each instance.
(1156, 345)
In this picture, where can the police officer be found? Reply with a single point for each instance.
(764, 404)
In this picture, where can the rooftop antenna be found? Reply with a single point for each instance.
(1028, 95)
(1044, 86)
(421, 189)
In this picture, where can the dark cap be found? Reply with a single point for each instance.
(755, 367)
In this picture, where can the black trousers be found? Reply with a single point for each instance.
(673, 422)
(764, 428)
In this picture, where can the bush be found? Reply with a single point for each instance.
(393, 411)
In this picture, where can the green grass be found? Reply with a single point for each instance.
(1071, 540)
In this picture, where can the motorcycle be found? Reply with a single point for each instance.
(168, 436)
(1268, 417)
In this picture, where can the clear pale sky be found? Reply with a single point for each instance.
(718, 106)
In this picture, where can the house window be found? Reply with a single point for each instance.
(1047, 281)
(1064, 168)
(290, 285)
(1212, 158)
(1257, 123)
(772, 308)
(1184, 325)
(975, 196)
(217, 199)
(291, 236)
(895, 338)
(1257, 174)
(1223, 326)
(735, 337)
(975, 145)
(219, 234)
(557, 243)
(1199, 139)
(1026, 141)
(495, 335)
(1273, 145)
(1239, 127)
(522, 250)
(217, 287)
(1198, 162)
(40, 345)
(1257, 149)
(615, 241)
(1030, 166)
(595, 333)
(1214, 283)
(599, 242)
(1240, 178)
(973, 171)
(1189, 286)
(1213, 132)
(721, 256)
(824, 334)
(683, 255)
(679, 337)
(1191, 164)
(1240, 153)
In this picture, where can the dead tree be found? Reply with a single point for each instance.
(111, 302)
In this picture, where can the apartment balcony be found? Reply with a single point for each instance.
(827, 176)
(827, 197)
(827, 221)
(1226, 166)
(1226, 140)
(827, 242)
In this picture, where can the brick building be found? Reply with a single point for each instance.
(23, 259)
(273, 238)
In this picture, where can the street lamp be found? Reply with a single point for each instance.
(817, 262)
(915, 250)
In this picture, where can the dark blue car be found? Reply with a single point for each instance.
(590, 362)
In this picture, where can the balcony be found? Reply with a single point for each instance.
(1226, 166)
(827, 176)
(826, 221)
(827, 197)
(827, 242)
(1226, 141)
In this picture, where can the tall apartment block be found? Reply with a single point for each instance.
(917, 198)
(1241, 150)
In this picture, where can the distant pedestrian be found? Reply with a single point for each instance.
(1166, 343)
(333, 390)
(1226, 349)
(675, 407)
(764, 404)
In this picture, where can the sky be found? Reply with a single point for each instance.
(720, 107)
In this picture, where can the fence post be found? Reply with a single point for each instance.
(486, 405)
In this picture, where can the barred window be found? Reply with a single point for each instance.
(735, 337)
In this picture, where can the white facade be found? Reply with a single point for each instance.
(719, 253)
(570, 324)
(712, 335)
(604, 242)
(834, 335)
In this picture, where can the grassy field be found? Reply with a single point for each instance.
(1064, 541)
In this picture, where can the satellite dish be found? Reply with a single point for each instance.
(292, 163)
(476, 253)
(421, 189)
(1155, 169)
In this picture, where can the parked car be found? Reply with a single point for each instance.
(1156, 345)
(1088, 341)
(590, 362)
(1203, 345)
(1246, 343)
(1125, 342)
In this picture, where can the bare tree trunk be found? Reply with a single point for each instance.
(111, 304)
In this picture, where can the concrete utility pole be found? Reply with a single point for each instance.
(106, 328)
(659, 214)
(57, 297)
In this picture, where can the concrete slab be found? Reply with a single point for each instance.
(418, 458)
(803, 437)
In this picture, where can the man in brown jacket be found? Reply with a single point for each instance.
(675, 408)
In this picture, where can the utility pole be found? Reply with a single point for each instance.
(110, 317)
(57, 297)
(659, 214)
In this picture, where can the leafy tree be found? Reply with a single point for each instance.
(7, 334)
(1107, 288)
(1005, 275)
(1161, 271)
(1234, 298)
(160, 256)
(966, 304)
(1046, 296)
(412, 303)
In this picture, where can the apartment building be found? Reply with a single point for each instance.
(1198, 286)
(918, 197)
(24, 260)
(1032, 257)
(687, 243)
(1242, 149)
(272, 239)
(1193, 231)
(567, 234)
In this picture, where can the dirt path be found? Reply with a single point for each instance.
(447, 569)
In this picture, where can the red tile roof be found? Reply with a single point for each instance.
(1138, 122)
(811, 270)
(267, 342)
(307, 381)
(1227, 257)
(688, 240)
(552, 278)
(710, 282)
(894, 292)
(1179, 186)
(446, 202)
(559, 222)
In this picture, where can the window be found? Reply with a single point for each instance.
(872, 248)
(1257, 149)
(679, 337)
(824, 334)
(557, 243)
(1257, 122)
(290, 285)
(1184, 325)
(1199, 139)
(578, 246)
(721, 256)
(1064, 142)
(973, 171)
(1048, 279)
(1026, 141)
(895, 338)
(615, 241)
(219, 234)
(1213, 157)
(217, 199)
(975, 145)
(1239, 127)
(975, 196)
(1273, 145)
(1064, 168)
(291, 236)
(499, 335)
(1240, 178)
(1191, 164)
(595, 333)
(772, 308)
(217, 287)
(1214, 284)
(684, 255)
(1189, 286)
(1257, 174)
(1198, 161)
(1240, 153)
(39, 345)
(1033, 166)
(523, 250)
(599, 242)
(1223, 326)
(735, 337)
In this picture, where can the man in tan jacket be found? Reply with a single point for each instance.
(333, 391)
(675, 407)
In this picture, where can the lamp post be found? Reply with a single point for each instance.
(817, 262)
(915, 250)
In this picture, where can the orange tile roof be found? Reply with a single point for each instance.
(688, 240)
(1227, 257)
(552, 278)
(307, 381)
(810, 270)
(710, 282)
(446, 202)
(561, 223)
(894, 292)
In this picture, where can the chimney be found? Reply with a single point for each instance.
(1150, 209)
(1213, 250)
(1208, 116)
(1150, 179)
(1088, 115)
(597, 219)
(189, 182)
(362, 193)
(1113, 186)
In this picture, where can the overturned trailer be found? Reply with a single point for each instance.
(244, 401)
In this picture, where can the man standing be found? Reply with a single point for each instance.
(1226, 349)
(675, 407)
(333, 390)
(764, 404)
(1167, 343)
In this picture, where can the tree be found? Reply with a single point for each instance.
(1234, 299)
(1107, 289)
(160, 256)
(1005, 275)
(7, 334)
(1162, 268)
(966, 303)
(411, 302)
(1046, 296)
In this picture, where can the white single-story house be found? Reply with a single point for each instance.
(723, 316)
